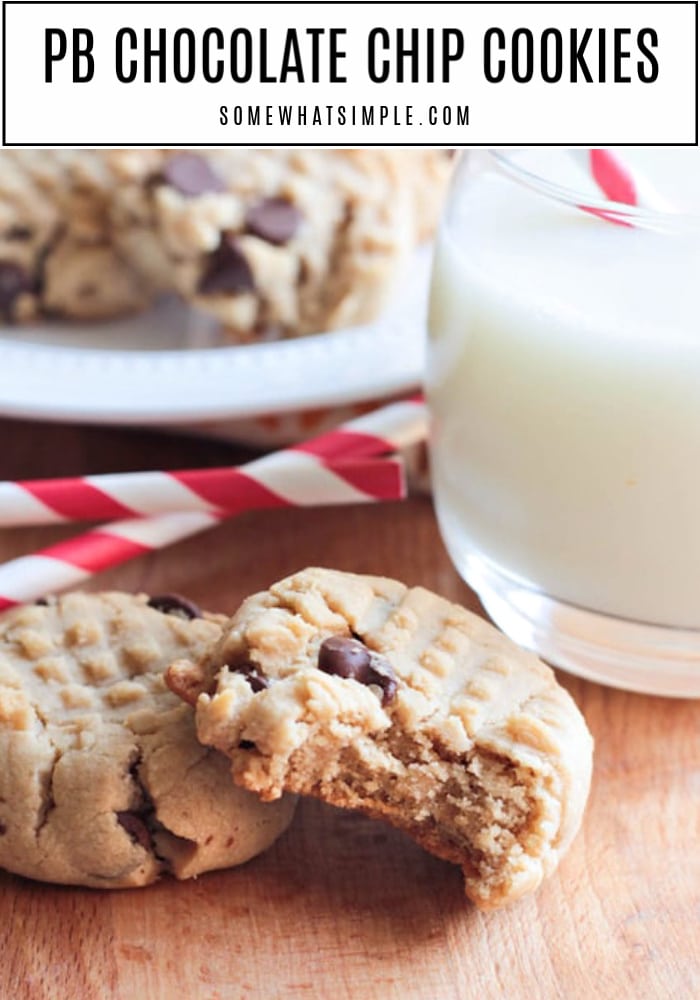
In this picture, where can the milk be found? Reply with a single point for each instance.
(564, 381)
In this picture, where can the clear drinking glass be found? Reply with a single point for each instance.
(564, 389)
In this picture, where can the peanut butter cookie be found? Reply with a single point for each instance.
(397, 703)
(103, 781)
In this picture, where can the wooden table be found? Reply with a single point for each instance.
(342, 907)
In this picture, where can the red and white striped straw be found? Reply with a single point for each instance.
(287, 478)
(619, 182)
(71, 563)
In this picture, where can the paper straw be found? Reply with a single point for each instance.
(283, 479)
(619, 182)
(71, 563)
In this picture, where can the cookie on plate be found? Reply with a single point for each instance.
(395, 702)
(272, 243)
(57, 253)
(103, 781)
(277, 243)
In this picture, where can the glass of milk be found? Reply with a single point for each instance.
(564, 388)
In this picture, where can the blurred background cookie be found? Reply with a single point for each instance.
(271, 243)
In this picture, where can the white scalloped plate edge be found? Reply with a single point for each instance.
(76, 384)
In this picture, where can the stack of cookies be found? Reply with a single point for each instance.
(142, 736)
(272, 243)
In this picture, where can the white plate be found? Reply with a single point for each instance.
(166, 366)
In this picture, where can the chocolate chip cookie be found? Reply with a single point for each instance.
(57, 252)
(397, 703)
(103, 781)
(273, 243)
(277, 243)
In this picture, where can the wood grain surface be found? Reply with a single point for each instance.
(342, 907)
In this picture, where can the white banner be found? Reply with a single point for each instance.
(349, 74)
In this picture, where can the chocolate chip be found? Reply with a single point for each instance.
(18, 234)
(192, 175)
(136, 828)
(13, 281)
(41, 603)
(247, 745)
(175, 604)
(253, 674)
(257, 681)
(346, 657)
(274, 220)
(382, 674)
(3, 829)
(228, 271)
